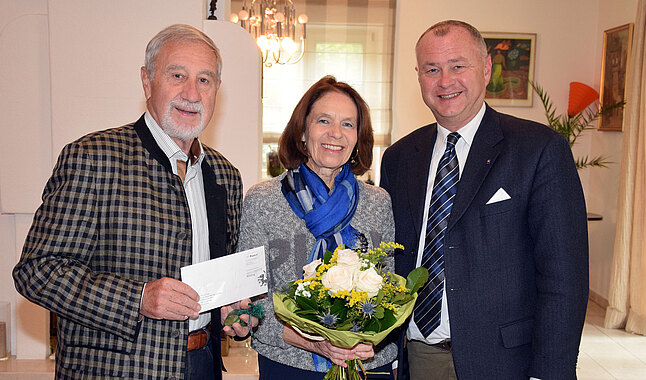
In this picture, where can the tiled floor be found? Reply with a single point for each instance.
(605, 354)
(608, 354)
(241, 362)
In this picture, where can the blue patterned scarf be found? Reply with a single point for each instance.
(327, 216)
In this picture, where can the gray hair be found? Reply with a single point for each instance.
(442, 28)
(178, 33)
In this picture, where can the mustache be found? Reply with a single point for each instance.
(187, 106)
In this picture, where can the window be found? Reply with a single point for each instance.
(349, 39)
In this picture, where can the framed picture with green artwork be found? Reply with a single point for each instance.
(512, 59)
(616, 53)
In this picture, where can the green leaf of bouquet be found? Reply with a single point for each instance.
(416, 279)
(337, 306)
(305, 303)
(308, 316)
(388, 319)
(372, 325)
(345, 327)
(399, 298)
(379, 312)
(343, 314)
(327, 257)
(380, 297)
(306, 312)
(404, 299)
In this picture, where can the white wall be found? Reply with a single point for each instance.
(25, 152)
(568, 48)
(71, 67)
(236, 127)
(25, 146)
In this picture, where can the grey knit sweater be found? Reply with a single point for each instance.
(268, 220)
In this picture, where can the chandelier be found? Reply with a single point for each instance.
(273, 24)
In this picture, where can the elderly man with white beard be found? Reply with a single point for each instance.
(123, 211)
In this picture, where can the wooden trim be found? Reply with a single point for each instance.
(598, 299)
(270, 138)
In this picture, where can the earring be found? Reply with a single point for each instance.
(354, 155)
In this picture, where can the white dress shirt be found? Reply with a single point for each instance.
(443, 331)
(194, 189)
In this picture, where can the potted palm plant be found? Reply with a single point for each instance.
(579, 118)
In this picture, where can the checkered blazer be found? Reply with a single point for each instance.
(113, 217)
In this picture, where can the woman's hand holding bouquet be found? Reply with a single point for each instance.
(319, 345)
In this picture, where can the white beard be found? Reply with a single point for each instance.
(182, 132)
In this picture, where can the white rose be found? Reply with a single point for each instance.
(349, 259)
(369, 281)
(338, 278)
(309, 270)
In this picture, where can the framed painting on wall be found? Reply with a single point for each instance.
(617, 43)
(512, 58)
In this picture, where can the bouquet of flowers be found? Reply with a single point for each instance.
(348, 298)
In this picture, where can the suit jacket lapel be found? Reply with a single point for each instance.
(216, 211)
(149, 143)
(482, 154)
(418, 166)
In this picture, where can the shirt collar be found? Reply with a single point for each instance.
(170, 147)
(467, 132)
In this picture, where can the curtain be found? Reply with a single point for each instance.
(627, 298)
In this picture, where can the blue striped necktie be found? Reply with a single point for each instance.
(429, 302)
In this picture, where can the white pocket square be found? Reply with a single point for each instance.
(501, 195)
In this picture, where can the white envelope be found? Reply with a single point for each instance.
(228, 279)
(499, 196)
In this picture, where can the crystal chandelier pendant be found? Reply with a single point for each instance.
(274, 25)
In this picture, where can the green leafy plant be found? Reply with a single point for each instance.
(571, 127)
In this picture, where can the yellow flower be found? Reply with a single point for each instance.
(357, 297)
(390, 306)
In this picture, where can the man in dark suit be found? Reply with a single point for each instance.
(123, 211)
(493, 206)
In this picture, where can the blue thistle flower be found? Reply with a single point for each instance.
(355, 328)
(368, 309)
(328, 319)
